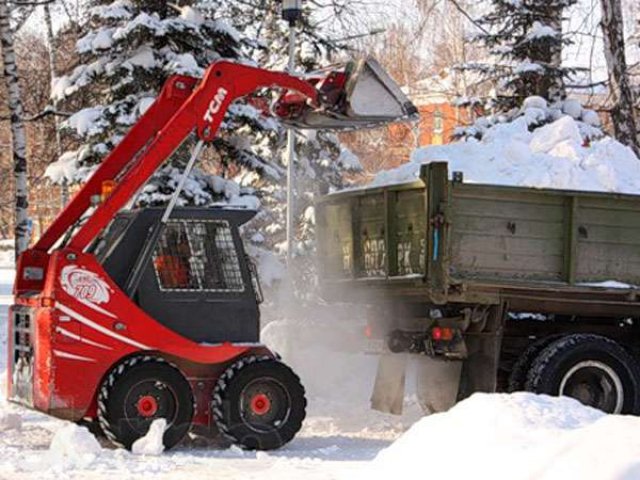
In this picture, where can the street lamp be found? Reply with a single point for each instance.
(291, 12)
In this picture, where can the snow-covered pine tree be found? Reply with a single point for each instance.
(525, 37)
(322, 162)
(129, 49)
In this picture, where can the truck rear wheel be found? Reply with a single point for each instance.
(518, 376)
(139, 391)
(259, 403)
(590, 368)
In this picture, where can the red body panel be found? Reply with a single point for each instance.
(92, 326)
(80, 324)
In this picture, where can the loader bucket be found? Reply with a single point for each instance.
(362, 95)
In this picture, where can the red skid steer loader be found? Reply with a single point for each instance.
(123, 316)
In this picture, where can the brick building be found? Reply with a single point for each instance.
(435, 97)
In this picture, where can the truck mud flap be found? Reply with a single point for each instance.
(388, 390)
(437, 383)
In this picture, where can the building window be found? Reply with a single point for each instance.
(438, 128)
(197, 255)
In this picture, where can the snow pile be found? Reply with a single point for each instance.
(7, 260)
(518, 436)
(73, 445)
(151, 443)
(539, 146)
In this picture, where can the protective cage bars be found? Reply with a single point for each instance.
(184, 260)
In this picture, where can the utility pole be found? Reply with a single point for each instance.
(291, 12)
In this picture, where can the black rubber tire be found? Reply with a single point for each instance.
(520, 370)
(123, 430)
(559, 357)
(229, 401)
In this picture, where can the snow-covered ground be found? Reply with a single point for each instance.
(510, 437)
(341, 435)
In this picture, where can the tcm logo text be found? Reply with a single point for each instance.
(215, 104)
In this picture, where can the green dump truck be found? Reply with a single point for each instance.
(490, 288)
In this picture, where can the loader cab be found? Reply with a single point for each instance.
(197, 279)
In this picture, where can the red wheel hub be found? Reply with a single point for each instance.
(147, 406)
(260, 404)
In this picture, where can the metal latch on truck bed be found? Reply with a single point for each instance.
(437, 222)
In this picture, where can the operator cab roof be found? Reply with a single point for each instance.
(235, 215)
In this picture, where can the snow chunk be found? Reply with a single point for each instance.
(528, 67)
(10, 421)
(190, 14)
(223, 27)
(538, 30)
(69, 167)
(143, 20)
(549, 136)
(185, 64)
(591, 117)
(573, 108)
(74, 445)
(534, 102)
(87, 121)
(120, 9)
(143, 57)
(534, 436)
(151, 443)
(100, 40)
(250, 202)
(144, 104)
(608, 284)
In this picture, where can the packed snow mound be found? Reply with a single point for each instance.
(10, 421)
(73, 445)
(561, 154)
(513, 437)
(151, 443)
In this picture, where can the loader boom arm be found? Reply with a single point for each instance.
(184, 105)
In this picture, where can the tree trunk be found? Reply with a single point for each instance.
(622, 113)
(64, 189)
(557, 91)
(18, 135)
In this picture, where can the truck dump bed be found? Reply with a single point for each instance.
(441, 241)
